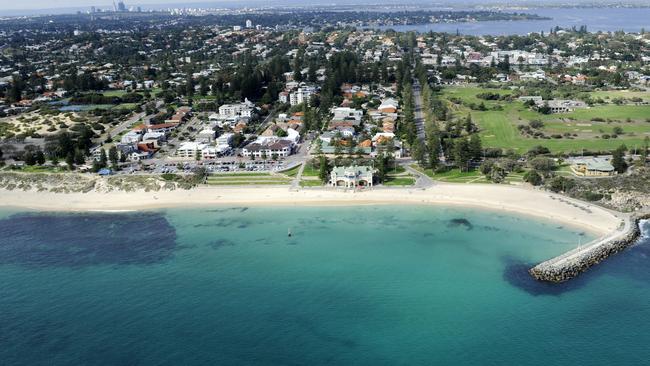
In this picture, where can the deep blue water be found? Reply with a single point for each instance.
(372, 285)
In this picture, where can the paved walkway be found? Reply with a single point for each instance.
(295, 183)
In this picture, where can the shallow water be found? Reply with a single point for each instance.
(369, 286)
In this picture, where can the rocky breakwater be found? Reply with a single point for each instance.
(576, 261)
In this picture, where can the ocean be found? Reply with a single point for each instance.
(369, 285)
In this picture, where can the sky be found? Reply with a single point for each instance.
(41, 6)
(50, 4)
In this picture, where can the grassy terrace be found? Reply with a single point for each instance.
(499, 128)
(397, 176)
(473, 176)
(399, 181)
(235, 179)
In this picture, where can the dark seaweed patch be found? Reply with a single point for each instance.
(220, 243)
(76, 240)
(460, 222)
(221, 210)
(631, 263)
(516, 274)
(238, 223)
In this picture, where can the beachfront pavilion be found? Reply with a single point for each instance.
(592, 167)
(351, 176)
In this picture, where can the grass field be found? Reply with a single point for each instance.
(499, 128)
(38, 169)
(473, 176)
(311, 183)
(399, 181)
(235, 179)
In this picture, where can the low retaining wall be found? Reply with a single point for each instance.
(561, 269)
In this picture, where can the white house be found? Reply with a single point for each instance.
(302, 95)
(206, 136)
(342, 113)
(239, 109)
(189, 149)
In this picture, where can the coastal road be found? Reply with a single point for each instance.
(417, 104)
(421, 180)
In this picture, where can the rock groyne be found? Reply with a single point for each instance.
(576, 261)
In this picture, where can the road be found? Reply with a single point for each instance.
(417, 103)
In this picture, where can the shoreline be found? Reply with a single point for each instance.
(499, 198)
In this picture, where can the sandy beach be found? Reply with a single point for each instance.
(511, 199)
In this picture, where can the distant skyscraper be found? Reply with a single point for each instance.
(121, 6)
(249, 24)
(93, 9)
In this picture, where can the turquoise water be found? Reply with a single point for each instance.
(374, 285)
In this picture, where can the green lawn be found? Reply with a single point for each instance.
(247, 183)
(293, 172)
(310, 171)
(311, 183)
(612, 94)
(38, 169)
(399, 181)
(222, 175)
(246, 179)
(499, 128)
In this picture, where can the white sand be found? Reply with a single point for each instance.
(526, 201)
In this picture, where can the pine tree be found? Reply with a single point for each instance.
(462, 154)
(69, 159)
(103, 160)
(475, 147)
(113, 156)
(40, 157)
(79, 158)
(323, 170)
(618, 159)
(469, 125)
(644, 150)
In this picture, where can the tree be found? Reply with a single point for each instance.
(462, 154)
(644, 150)
(69, 159)
(40, 157)
(323, 169)
(618, 159)
(469, 125)
(542, 164)
(113, 156)
(486, 167)
(533, 177)
(103, 160)
(28, 158)
(560, 184)
(382, 164)
(475, 147)
(498, 174)
(319, 147)
(419, 152)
